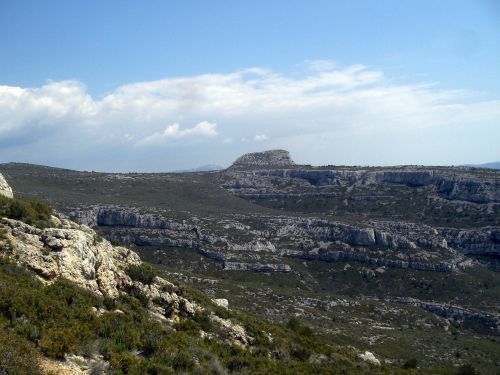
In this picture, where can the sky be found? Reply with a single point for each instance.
(167, 85)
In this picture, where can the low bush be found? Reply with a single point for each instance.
(142, 272)
(301, 329)
(467, 369)
(410, 363)
(17, 355)
(29, 211)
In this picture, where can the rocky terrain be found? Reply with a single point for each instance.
(254, 175)
(66, 250)
(278, 239)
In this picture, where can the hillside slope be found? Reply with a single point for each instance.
(86, 306)
(400, 261)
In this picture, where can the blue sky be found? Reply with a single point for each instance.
(159, 85)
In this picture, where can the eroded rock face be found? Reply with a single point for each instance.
(385, 243)
(5, 188)
(475, 242)
(265, 158)
(71, 251)
(273, 174)
(76, 253)
(256, 267)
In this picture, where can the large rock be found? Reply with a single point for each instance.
(266, 158)
(72, 251)
(5, 189)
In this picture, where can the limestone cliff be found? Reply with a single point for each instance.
(71, 251)
(272, 174)
(265, 158)
(5, 189)
(242, 247)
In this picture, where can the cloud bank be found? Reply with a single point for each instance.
(323, 114)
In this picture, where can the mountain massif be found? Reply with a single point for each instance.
(390, 267)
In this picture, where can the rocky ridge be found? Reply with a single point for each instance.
(257, 176)
(265, 158)
(400, 245)
(66, 249)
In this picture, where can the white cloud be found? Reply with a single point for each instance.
(260, 137)
(203, 129)
(325, 101)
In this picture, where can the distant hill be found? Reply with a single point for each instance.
(492, 165)
(203, 168)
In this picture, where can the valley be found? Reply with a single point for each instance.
(401, 261)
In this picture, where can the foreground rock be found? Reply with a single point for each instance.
(71, 251)
(76, 253)
(5, 189)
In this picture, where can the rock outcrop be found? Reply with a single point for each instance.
(72, 251)
(343, 256)
(272, 174)
(75, 252)
(370, 357)
(5, 189)
(384, 243)
(454, 313)
(256, 267)
(485, 241)
(264, 159)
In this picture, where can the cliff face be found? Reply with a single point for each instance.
(265, 158)
(5, 189)
(451, 184)
(238, 246)
(71, 251)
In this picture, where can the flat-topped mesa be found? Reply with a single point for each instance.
(5, 189)
(274, 158)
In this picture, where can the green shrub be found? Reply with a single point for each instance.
(29, 211)
(301, 329)
(183, 362)
(57, 342)
(142, 272)
(189, 326)
(467, 369)
(28, 331)
(410, 363)
(109, 303)
(141, 297)
(17, 355)
(238, 364)
(204, 321)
